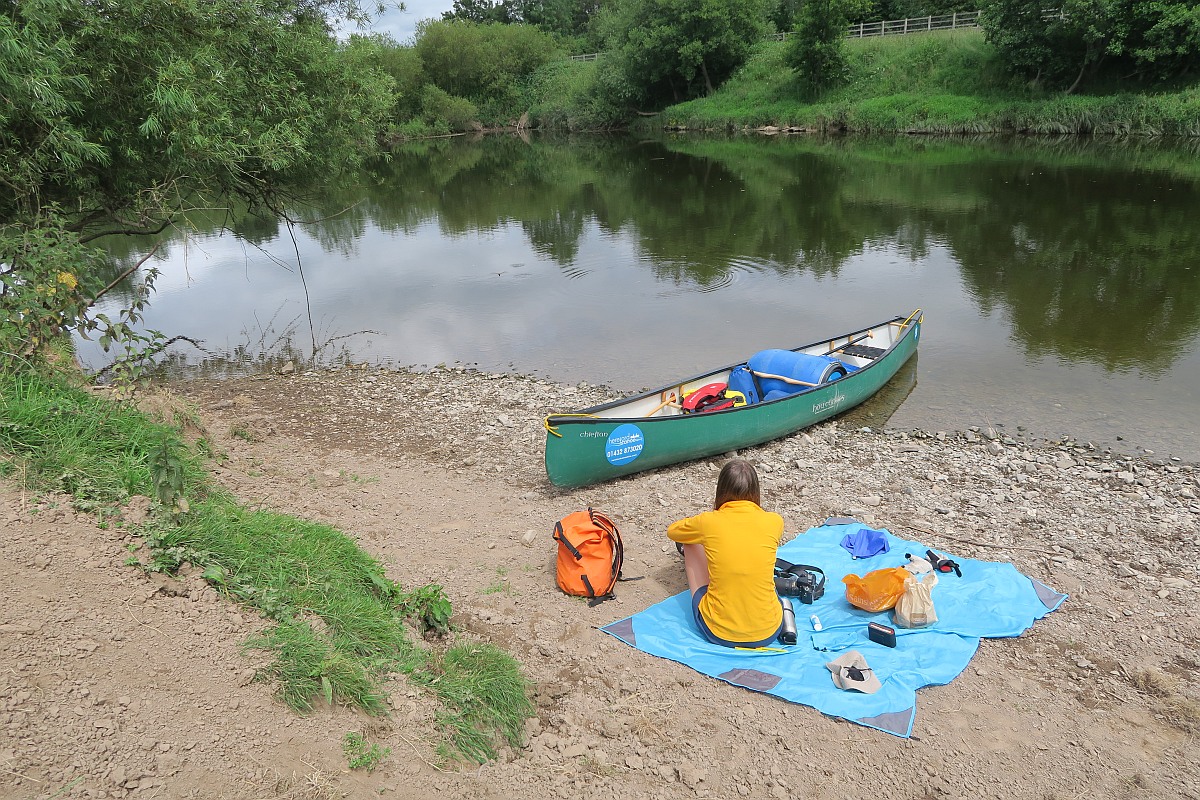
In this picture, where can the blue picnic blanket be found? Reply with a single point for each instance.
(991, 599)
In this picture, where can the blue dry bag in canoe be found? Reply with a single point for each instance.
(784, 372)
(740, 380)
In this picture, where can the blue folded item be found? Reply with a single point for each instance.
(991, 599)
(865, 542)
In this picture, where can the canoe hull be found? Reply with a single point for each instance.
(583, 449)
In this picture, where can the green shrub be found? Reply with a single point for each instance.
(484, 63)
(569, 95)
(457, 113)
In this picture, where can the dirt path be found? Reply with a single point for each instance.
(114, 684)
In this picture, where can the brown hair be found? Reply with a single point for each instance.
(738, 481)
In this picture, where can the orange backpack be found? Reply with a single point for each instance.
(590, 554)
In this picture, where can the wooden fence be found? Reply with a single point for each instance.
(941, 22)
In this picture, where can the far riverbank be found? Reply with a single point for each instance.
(934, 83)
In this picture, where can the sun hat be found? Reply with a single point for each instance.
(850, 672)
(866, 542)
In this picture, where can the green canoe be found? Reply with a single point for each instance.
(658, 428)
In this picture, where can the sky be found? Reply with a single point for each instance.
(401, 25)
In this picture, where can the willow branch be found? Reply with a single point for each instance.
(123, 276)
(127, 232)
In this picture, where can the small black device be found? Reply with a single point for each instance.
(802, 581)
(941, 564)
(787, 632)
(881, 634)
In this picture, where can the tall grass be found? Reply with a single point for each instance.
(484, 699)
(942, 82)
(338, 627)
(64, 438)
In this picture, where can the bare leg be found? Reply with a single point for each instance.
(695, 564)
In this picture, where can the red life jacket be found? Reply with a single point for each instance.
(707, 398)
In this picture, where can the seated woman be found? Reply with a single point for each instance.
(729, 557)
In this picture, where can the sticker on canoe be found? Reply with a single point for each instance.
(833, 402)
(624, 444)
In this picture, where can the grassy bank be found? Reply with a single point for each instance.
(933, 83)
(338, 625)
(942, 82)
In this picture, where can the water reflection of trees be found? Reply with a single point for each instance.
(1091, 250)
(1091, 263)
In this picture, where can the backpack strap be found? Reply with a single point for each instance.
(561, 539)
(602, 520)
(757, 383)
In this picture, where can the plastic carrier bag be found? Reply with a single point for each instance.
(878, 590)
(914, 609)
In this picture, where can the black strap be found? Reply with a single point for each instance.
(561, 539)
(601, 520)
(755, 381)
(795, 569)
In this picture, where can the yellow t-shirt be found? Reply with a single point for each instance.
(740, 540)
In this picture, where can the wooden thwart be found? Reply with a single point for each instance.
(668, 402)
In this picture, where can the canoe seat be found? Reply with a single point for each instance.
(863, 351)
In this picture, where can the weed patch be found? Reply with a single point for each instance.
(63, 438)
(485, 699)
(361, 754)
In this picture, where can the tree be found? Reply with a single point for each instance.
(1163, 38)
(119, 117)
(782, 15)
(1155, 40)
(817, 51)
(673, 50)
(561, 17)
(567, 18)
(484, 63)
(401, 63)
(481, 11)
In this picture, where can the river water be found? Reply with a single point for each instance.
(1059, 280)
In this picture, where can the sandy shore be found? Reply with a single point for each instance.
(115, 684)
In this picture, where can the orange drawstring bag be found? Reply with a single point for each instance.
(878, 590)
